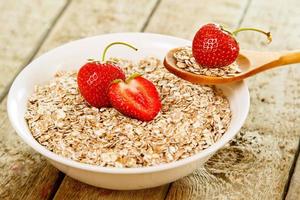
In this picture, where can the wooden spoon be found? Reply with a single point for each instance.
(250, 63)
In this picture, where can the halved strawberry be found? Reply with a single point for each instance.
(137, 97)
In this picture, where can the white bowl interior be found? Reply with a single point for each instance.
(75, 54)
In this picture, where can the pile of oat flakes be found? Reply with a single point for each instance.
(192, 118)
(185, 60)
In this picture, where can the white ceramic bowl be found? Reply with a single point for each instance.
(72, 56)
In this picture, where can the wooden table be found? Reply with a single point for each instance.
(261, 163)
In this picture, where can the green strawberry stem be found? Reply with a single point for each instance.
(116, 81)
(132, 76)
(114, 43)
(268, 34)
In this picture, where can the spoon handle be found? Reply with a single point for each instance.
(276, 59)
(290, 58)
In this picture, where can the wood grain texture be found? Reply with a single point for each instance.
(294, 189)
(23, 173)
(72, 189)
(256, 164)
(23, 25)
(275, 97)
(83, 19)
(183, 18)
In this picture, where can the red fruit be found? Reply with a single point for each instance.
(137, 97)
(214, 47)
(94, 80)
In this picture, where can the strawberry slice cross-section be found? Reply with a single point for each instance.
(136, 97)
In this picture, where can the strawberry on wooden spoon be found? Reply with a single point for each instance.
(94, 79)
(137, 97)
(215, 47)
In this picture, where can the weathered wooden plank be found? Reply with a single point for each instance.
(20, 176)
(84, 19)
(183, 18)
(256, 164)
(103, 17)
(83, 191)
(294, 189)
(23, 26)
(275, 97)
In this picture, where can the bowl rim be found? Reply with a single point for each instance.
(114, 170)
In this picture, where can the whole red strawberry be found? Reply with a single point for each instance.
(94, 80)
(215, 47)
(137, 97)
